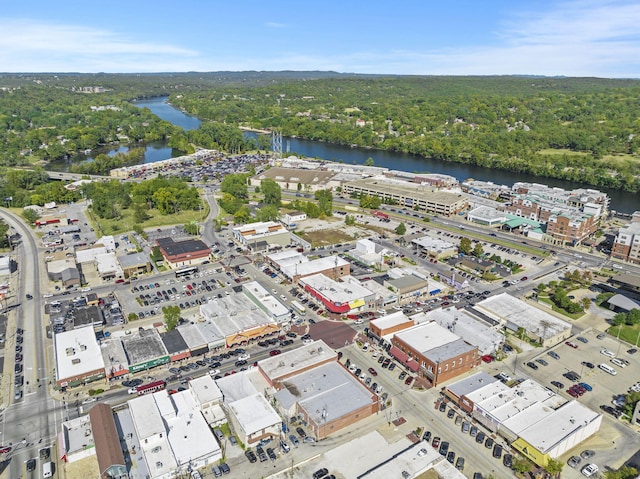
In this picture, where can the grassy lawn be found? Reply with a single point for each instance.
(126, 222)
(324, 237)
(546, 300)
(561, 151)
(627, 333)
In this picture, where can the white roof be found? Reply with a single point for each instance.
(254, 414)
(236, 313)
(108, 242)
(505, 307)
(434, 244)
(408, 460)
(391, 320)
(311, 267)
(108, 264)
(427, 336)
(289, 362)
(337, 293)
(242, 384)
(205, 390)
(89, 255)
(550, 427)
(259, 293)
(285, 254)
(77, 353)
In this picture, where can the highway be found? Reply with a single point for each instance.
(31, 421)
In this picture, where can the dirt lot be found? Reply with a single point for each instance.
(335, 333)
(325, 237)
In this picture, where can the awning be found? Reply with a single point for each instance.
(413, 365)
(356, 303)
(398, 354)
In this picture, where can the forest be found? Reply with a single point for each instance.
(576, 129)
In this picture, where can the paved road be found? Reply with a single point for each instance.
(35, 416)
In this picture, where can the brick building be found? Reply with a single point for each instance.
(626, 246)
(440, 354)
(183, 253)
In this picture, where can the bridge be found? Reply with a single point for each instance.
(63, 176)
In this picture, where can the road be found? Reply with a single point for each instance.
(31, 421)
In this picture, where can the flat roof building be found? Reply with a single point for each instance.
(408, 288)
(274, 233)
(144, 349)
(134, 264)
(289, 178)
(254, 419)
(78, 357)
(514, 313)
(277, 369)
(434, 247)
(332, 267)
(183, 253)
(337, 297)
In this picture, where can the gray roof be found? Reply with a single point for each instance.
(407, 281)
(173, 341)
(143, 346)
(70, 273)
(133, 260)
(622, 302)
(448, 351)
(471, 383)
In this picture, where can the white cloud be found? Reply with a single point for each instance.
(37, 46)
(275, 25)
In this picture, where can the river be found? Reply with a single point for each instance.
(621, 201)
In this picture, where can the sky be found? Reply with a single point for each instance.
(420, 37)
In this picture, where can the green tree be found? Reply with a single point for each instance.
(478, 250)
(349, 220)
(633, 317)
(243, 215)
(554, 467)
(619, 319)
(325, 201)
(267, 213)
(272, 192)
(521, 465)
(171, 316)
(625, 472)
(369, 201)
(30, 215)
(465, 245)
(299, 187)
(236, 185)
(140, 214)
(156, 255)
(132, 317)
(401, 229)
(192, 228)
(369, 162)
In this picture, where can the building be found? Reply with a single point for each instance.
(620, 303)
(487, 216)
(367, 252)
(5, 266)
(337, 297)
(382, 329)
(514, 313)
(78, 358)
(183, 253)
(277, 369)
(434, 247)
(297, 179)
(626, 245)
(327, 398)
(436, 353)
(108, 449)
(175, 344)
(409, 195)
(253, 419)
(144, 350)
(290, 219)
(134, 264)
(270, 232)
(332, 267)
(88, 316)
(408, 288)
(628, 282)
(208, 398)
(172, 433)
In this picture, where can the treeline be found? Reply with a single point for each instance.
(577, 129)
(20, 188)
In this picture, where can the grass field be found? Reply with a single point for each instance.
(560, 151)
(127, 223)
(627, 333)
(324, 237)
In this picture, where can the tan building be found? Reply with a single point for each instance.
(408, 288)
(390, 324)
(626, 246)
(297, 179)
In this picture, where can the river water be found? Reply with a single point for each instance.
(621, 201)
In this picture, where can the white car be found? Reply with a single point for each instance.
(47, 295)
(589, 470)
(244, 357)
(307, 341)
(283, 297)
(86, 290)
(213, 372)
(607, 353)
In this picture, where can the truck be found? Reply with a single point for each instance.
(380, 214)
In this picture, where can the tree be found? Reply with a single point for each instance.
(478, 250)
(619, 319)
(192, 228)
(465, 245)
(132, 317)
(369, 201)
(586, 302)
(242, 215)
(325, 201)
(401, 229)
(156, 255)
(30, 215)
(554, 467)
(272, 192)
(521, 465)
(140, 214)
(625, 472)
(369, 162)
(349, 220)
(267, 213)
(236, 185)
(299, 187)
(171, 316)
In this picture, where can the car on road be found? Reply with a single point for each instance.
(451, 456)
(586, 386)
(480, 437)
(426, 436)
(507, 460)
(451, 413)
(444, 448)
(460, 464)
(497, 451)
(436, 442)
(606, 352)
(582, 339)
(571, 345)
(442, 407)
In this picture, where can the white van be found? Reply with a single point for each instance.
(47, 469)
(608, 369)
(606, 352)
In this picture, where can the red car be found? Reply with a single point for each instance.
(274, 352)
(408, 380)
(373, 372)
(436, 442)
(571, 345)
(5, 450)
(487, 358)
(572, 393)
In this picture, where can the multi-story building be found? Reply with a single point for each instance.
(183, 253)
(626, 246)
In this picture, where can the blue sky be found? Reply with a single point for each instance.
(488, 37)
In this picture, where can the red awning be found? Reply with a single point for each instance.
(413, 365)
(398, 354)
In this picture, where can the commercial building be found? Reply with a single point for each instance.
(383, 328)
(409, 195)
(487, 216)
(297, 179)
(514, 313)
(78, 358)
(277, 369)
(367, 252)
(626, 245)
(292, 218)
(172, 433)
(253, 419)
(327, 397)
(144, 350)
(408, 288)
(108, 449)
(183, 253)
(628, 282)
(270, 232)
(134, 264)
(434, 247)
(435, 352)
(338, 297)
(332, 267)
